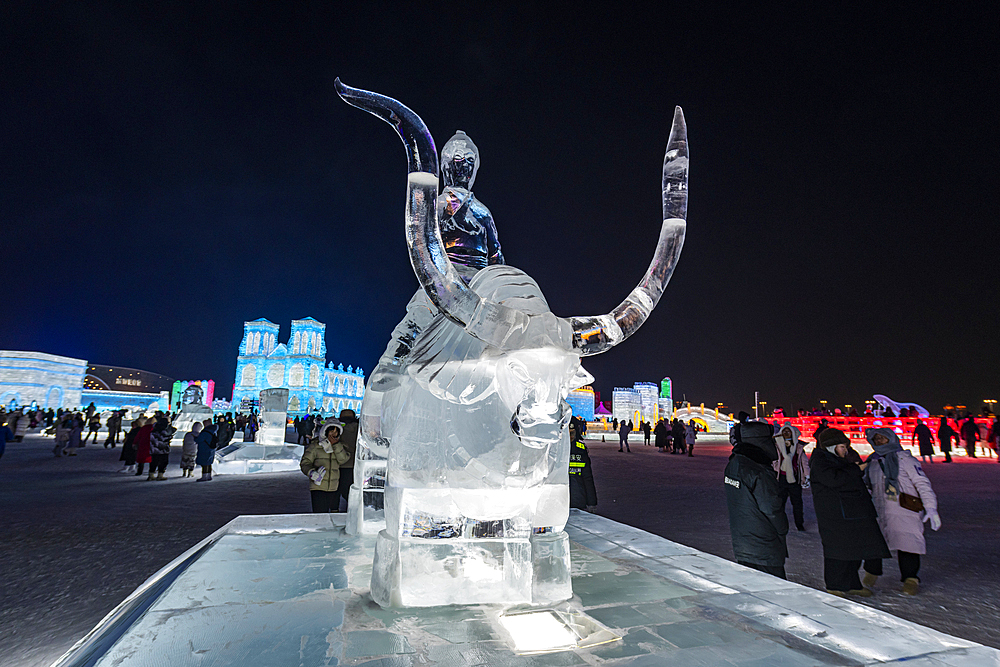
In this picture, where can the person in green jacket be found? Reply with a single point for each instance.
(321, 464)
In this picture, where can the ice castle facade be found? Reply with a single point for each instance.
(299, 365)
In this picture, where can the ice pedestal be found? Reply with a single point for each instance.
(366, 501)
(433, 553)
(242, 458)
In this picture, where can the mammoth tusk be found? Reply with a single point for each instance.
(492, 323)
(596, 334)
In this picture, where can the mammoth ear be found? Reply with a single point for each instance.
(450, 364)
(581, 379)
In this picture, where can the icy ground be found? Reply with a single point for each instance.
(78, 537)
(682, 499)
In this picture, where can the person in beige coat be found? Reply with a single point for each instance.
(897, 481)
(321, 464)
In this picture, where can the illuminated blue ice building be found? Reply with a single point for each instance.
(300, 366)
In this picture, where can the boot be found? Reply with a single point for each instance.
(160, 477)
(151, 476)
(911, 585)
(209, 477)
(861, 593)
(869, 580)
(204, 477)
(138, 473)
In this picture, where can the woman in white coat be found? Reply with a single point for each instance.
(899, 486)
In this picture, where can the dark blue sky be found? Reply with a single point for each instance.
(171, 170)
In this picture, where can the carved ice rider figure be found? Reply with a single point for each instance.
(471, 243)
(467, 228)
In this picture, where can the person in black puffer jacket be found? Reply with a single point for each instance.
(848, 526)
(757, 519)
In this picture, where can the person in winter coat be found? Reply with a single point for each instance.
(848, 527)
(142, 455)
(207, 441)
(945, 434)
(189, 450)
(159, 449)
(892, 475)
(623, 430)
(20, 428)
(63, 428)
(114, 428)
(792, 469)
(757, 520)
(128, 446)
(646, 430)
(923, 436)
(661, 436)
(582, 492)
(6, 435)
(94, 425)
(970, 434)
(677, 434)
(75, 431)
(349, 438)
(690, 436)
(994, 437)
(321, 464)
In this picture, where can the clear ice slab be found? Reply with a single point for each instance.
(293, 590)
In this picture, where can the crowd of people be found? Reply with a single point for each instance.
(673, 437)
(865, 508)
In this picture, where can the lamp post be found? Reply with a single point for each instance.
(989, 404)
(823, 403)
(763, 408)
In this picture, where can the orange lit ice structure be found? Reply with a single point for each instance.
(855, 427)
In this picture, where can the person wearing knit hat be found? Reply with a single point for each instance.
(848, 525)
(904, 500)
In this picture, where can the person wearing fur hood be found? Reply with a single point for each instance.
(792, 469)
(904, 501)
(321, 463)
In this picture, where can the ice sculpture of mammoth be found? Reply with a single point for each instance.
(476, 491)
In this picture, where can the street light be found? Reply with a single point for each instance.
(989, 404)
(763, 408)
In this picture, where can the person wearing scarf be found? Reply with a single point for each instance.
(848, 525)
(892, 471)
(793, 474)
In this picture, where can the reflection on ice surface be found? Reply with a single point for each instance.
(292, 590)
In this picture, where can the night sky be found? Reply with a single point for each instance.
(170, 170)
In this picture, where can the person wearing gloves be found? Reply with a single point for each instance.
(848, 527)
(904, 500)
(757, 520)
(321, 464)
(793, 472)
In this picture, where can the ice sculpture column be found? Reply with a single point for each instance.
(476, 491)
(273, 417)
